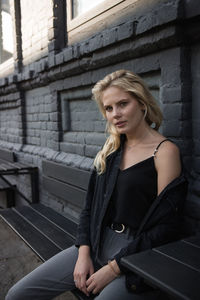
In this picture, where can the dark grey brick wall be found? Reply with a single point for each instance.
(41, 118)
(35, 21)
(47, 100)
(11, 118)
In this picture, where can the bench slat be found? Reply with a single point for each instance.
(15, 167)
(8, 165)
(183, 252)
(33, 238)
(63, 222)
(55, 234)
(195, 240)
(72, 176)
(176, 279)
(65, 191)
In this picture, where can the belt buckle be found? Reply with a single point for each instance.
(118, 231)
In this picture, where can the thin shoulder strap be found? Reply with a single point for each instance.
(156, 150)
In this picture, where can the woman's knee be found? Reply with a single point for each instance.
(14, 294)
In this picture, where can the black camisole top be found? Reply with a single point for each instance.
(134, 192)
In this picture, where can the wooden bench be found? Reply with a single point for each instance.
(9, 166)
(173, 268)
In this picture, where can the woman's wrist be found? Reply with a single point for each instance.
(114, 267)
(84, 250)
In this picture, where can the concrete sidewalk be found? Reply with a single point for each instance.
(16, 260)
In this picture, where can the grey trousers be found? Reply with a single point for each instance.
(55, 276)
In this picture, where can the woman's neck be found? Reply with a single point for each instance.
(140, 136)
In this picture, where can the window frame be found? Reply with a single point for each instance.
(5, 8)
(92, 13)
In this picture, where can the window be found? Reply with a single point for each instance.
(81, 6)
(6, 34)
(86, 17)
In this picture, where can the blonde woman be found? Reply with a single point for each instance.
(138, 171)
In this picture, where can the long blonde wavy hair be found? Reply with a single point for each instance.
(135, 86)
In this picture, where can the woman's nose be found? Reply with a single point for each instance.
(116, 112)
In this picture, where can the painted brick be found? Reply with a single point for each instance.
(109, 36)
(147, 42)
(170, 93)
(91, 151)
(68, 54)
(125, 31)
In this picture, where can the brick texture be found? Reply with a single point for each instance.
(46, 111)
(34, 22)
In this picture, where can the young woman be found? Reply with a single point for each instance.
(133, 201)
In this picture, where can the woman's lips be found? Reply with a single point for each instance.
(120, 124)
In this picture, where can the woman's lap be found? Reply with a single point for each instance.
(55, 276)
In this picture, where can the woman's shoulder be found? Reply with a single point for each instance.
(167, 148)
(167, 157)
(167, 163)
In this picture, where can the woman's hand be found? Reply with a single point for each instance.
(83, 269)
(101, 278)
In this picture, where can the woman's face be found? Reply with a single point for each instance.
(122, 110)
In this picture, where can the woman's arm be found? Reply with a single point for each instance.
(96, 281)
(102, 277)
(83, 268)
(168, 164)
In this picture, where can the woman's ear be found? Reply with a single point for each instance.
(144, 109)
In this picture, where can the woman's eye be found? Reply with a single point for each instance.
(122, 104)
(108, 108)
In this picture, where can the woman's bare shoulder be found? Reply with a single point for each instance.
(168, 148)
(168, 163)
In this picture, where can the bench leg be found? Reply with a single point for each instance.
(10, 197)
(34, 186)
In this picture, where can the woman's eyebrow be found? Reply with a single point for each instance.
(118, 102)
(121, 100)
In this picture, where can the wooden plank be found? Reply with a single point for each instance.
(169, 275)
(7, 164)
(60, 220)
(65, 191)
(54, 233)
(7, 155)
(72, 176)
(8, 167)
(14, 168)
(195, 240)
(43, 247)
(185, 253)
